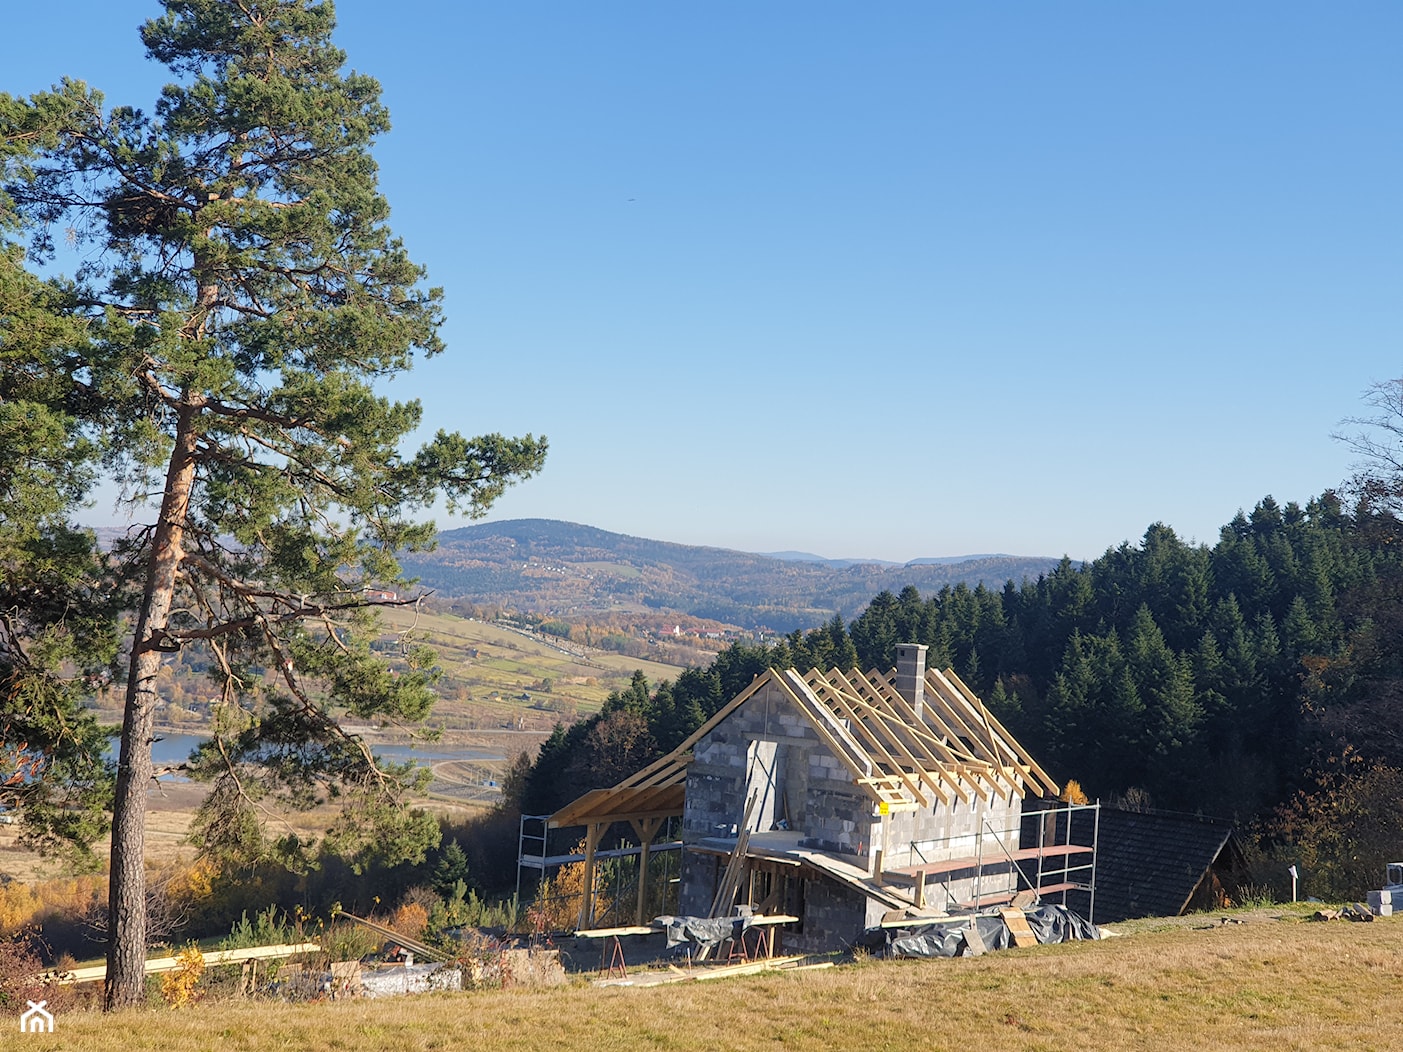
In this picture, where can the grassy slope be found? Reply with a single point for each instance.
(1275, 985)
(510, 663)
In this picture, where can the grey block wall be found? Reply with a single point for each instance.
(979, 829)
(822, 800)
(820, 795)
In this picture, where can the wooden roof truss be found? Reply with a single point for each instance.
(953, 750)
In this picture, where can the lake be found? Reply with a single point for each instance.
(176, 748)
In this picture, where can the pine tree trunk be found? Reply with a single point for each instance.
(126, 903)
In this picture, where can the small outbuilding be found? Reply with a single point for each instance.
(1162, 864)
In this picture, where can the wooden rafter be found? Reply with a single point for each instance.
(926, 767)
(955, 748)
(1009, 740)
(947, 761)
(856, 718)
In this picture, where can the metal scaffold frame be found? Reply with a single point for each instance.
(630, 883)
(1053, 866)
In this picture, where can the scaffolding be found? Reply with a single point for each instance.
(1039, 850)
(623, 888)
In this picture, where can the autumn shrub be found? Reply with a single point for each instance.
(178, 986)
(1339, 831)
(410, 919)
(560, 898)
(23, 978)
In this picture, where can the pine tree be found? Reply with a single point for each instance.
(245, 298)
(58, 632)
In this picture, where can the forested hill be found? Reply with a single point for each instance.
(1260, 678)
(562, 568)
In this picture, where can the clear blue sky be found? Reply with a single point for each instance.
(890, 280)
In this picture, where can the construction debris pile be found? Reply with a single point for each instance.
(1383, 901)
(973, 934)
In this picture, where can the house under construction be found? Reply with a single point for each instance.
(844, 799)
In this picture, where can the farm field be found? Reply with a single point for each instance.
(1264, 984)
(495, 676)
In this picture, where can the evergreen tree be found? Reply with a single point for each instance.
(1164, 684)
(450, 869)
(243, 297)
(58, 629)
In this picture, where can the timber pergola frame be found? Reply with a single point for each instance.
(903, 759)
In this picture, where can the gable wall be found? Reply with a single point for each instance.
(835, 814)
(820, 794)
(949, 830)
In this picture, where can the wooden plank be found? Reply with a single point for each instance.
(850, 875)
(730, 880)
(904, 919)
(949, 865)
(1018, 927)
(98, 972)
(610, 933)
(975, 942)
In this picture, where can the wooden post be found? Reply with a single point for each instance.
(592, 834)
(646, 829)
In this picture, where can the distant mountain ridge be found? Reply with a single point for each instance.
(564, 568)
(937, 560)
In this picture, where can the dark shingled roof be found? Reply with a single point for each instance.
(1148, 863)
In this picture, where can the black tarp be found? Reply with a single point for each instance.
(950, 938)
(704, 931)
(1053, 923)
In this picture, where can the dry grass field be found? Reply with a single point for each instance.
(170, 808)
(1266, 984)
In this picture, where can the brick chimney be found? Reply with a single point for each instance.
(911, 675)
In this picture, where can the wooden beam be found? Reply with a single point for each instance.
(836, 697)
(928, 767)
(839, 749)
(968, 730)
(646, 828)
(949, 766)
(730, 879)
(593, 833)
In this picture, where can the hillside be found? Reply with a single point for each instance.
(564, 569)
(1264, 984)
(494, 676)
